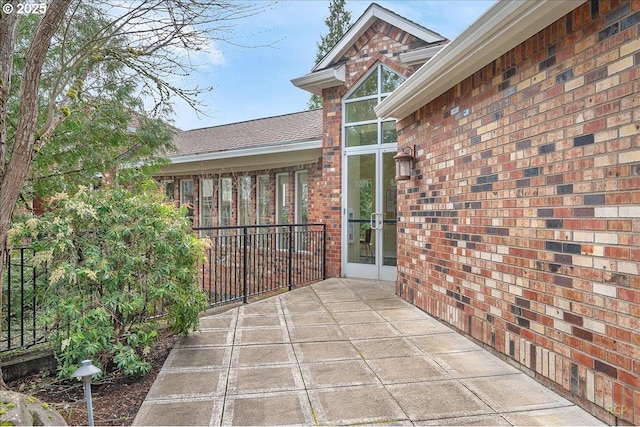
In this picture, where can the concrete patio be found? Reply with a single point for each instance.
(342, 352)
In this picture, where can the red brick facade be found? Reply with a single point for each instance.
(524, 211)
(381, 43)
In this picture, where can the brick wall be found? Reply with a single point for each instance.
(521, 226)
(382, 42)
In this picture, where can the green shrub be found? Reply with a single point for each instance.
(116, 258)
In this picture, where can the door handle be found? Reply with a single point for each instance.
(377, 223)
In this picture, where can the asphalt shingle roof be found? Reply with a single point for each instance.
(278, 130)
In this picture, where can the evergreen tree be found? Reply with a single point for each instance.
(338, 22)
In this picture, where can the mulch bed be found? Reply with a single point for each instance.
(116, 400)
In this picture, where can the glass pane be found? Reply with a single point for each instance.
(389, 227)
(244, 200)
(361, 135)
(206, 203)
(302, 193)
(168, 189)
(389, 132)
(186, 196)
(282, 209)
(390, 80)
(368, 87)
(264, 199)
(226, 197)
(360, 111)
(302, 209)
(361, 175)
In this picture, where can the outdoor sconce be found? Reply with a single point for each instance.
(404, 163)
(86, 371)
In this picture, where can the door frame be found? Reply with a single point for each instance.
(376, 271)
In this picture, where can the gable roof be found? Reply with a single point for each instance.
(374, 12)
(502, 27)
(329, 72)
(270, 134)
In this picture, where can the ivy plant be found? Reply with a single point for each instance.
(117, 259)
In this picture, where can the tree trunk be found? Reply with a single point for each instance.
(16, 172)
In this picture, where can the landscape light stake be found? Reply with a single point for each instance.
(86, 371)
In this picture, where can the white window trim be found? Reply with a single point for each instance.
(297, 197)
(297, 209)
(239, 192)
(182, 181)
(164, 184)
(378, 121)
(278, 201)
(220, 201)
(258, 195)
(202, 197)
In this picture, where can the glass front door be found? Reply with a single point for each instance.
(370, 215)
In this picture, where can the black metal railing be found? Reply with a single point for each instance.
(245, 261)
(242, 261)
(21, 283)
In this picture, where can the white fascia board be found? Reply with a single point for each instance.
(364, 22)
(420, 56)
(245, 152)
(501, 28)
(316, 81)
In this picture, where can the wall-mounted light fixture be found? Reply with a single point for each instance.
(404, 163)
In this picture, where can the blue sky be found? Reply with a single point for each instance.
(254, 82)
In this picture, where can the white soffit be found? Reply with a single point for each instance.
(501, 28)
(420, 56)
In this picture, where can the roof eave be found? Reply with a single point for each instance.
(420, 56)
(364, 22)
(505, 25)
(244, 152)
(314, 82)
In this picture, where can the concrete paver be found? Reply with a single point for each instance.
(355, 405)
(438, 399)
(399, 370)
(342, 352)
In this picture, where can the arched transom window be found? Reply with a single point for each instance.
(361, 125)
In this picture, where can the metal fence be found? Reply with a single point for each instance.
(245, 261)
(21, 285)
(241, 262)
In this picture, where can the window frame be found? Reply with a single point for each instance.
(301, 240)
(244, 199)
(282, 202)
(378, 122)
(202, 200)
(261, 191)
(221, 202)
(190, 210)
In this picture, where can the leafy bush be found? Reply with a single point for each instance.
(116, 258)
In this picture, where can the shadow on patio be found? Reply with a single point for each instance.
(342, 352)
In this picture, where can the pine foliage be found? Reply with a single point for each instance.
(338, 22)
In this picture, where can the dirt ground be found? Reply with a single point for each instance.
(116, 400)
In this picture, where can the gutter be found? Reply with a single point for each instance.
(316, 81)
(505, 25)
(246, 152)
